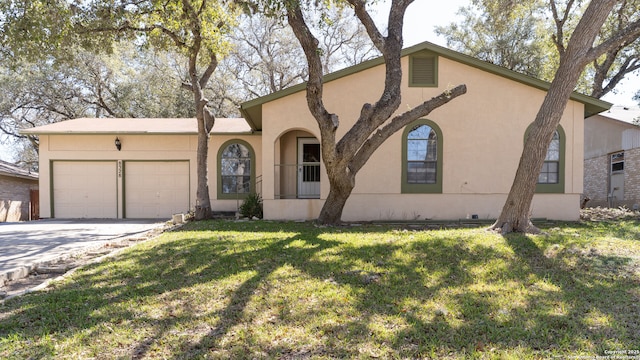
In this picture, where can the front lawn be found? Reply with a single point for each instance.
(293, 290)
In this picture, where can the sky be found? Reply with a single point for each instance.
(420, 19)
(422, 16)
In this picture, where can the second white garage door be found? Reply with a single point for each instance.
(156, 189)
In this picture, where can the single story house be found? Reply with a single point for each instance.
(612, 158)
(17, 187)
(456, 162)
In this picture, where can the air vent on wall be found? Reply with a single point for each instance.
(423, 71)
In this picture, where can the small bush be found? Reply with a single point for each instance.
(251, 206)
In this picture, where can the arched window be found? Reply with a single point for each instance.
(422, 158)
(236, 171)
(551, 176)
(550, 172)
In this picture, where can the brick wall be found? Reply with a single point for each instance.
(632, 177)
(596, 180)
(15, 197)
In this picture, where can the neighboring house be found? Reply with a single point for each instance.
(456, 162)
(16, 186)
(612, 158)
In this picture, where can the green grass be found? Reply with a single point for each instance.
(293, 290)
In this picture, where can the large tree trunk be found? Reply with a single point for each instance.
(515, 215)
(203, 202)
(342, 183)
(205, 121)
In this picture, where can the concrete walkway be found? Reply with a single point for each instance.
(25, 245)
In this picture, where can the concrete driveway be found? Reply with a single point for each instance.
(24, 245)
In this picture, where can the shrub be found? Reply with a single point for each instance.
(251, 206)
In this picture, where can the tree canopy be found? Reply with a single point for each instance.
(525, 37)
(130, 82)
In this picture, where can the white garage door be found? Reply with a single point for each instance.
(156, 189)
(85, 189)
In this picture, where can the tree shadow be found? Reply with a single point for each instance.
(388, 279)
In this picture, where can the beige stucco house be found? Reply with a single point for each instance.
(456, 162)
(17, 187)
(612, 158)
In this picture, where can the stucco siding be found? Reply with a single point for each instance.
(482, 136)
(406, 207)
(15, 198)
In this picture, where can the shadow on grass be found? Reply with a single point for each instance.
(391, 279)
(589, 308)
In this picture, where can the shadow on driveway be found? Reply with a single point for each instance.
(22, 245)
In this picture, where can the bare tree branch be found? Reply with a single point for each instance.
(400, 121)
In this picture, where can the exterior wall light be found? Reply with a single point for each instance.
(118, 144)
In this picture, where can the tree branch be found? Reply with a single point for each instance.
(359, 6)
(558, 37)
(400, 121)
(213, 64)
(371, 117)
(328, 123)
(626, 35)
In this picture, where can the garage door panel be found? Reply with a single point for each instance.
(156, 189)
(84, 189)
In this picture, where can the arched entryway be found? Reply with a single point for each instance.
(297, 166)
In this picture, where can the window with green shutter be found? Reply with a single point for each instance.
(423, 70)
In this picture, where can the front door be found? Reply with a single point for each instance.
(308, 168)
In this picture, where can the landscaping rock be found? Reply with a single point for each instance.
(608, 214)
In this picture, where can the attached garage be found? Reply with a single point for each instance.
(155, 189)
(85, 189)
(129, 168)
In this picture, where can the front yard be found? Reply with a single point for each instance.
(293, 290)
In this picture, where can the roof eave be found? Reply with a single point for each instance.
(21, 176)
(75, 132)
(592, 105)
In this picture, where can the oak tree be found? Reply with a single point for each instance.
(583, 47)
(344, 157)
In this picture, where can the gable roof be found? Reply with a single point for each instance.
(9, 169)
(186, 126)
(252, 110)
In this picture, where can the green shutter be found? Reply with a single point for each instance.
(423, 71)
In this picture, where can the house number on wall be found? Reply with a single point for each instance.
(119, 168)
